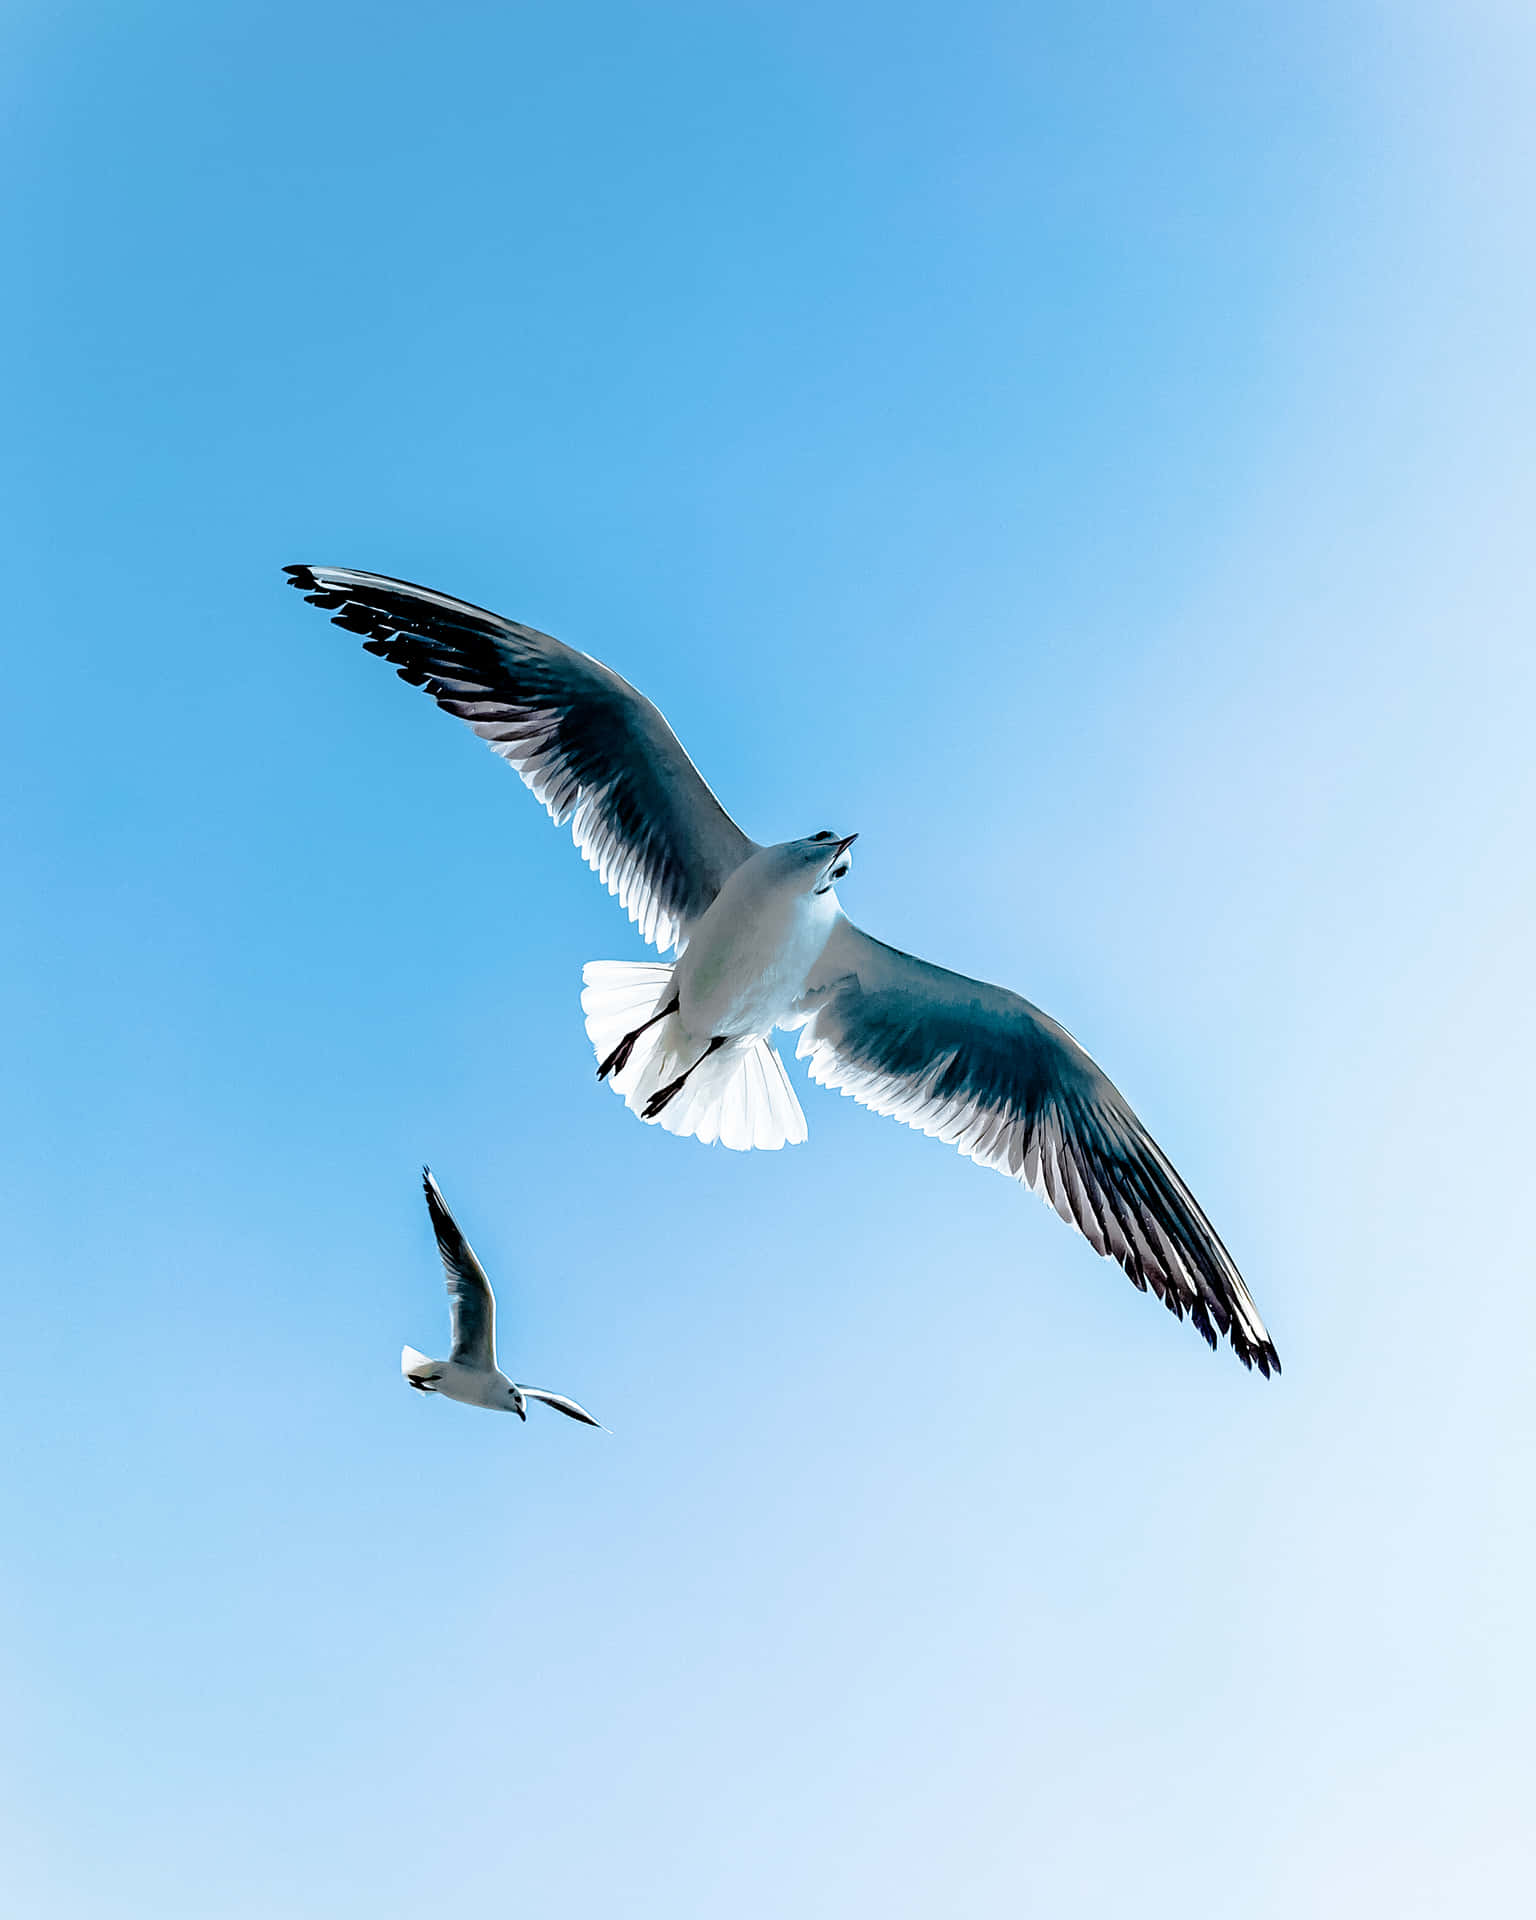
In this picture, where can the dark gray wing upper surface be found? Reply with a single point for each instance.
(981, 1068)
(592, 748)
(471, 1304)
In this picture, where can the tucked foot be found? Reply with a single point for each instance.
(662, 1095)
(618, 1060)
(659, 1099)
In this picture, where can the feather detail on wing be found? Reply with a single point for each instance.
(595, 751)
(982, 1069)
(471, 1304)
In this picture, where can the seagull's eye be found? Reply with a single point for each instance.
(825, 834)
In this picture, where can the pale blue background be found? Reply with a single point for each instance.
(1085, 448)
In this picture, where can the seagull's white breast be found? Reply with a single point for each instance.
(749, 956)
(473, 1386)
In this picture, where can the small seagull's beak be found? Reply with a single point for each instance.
(844, 845)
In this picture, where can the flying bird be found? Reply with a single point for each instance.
(470, 1372)
(760, 941)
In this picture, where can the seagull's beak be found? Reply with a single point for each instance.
(837, 863)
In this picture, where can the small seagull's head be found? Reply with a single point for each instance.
(822, 860)
(516, 1403)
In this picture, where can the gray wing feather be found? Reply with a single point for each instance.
(979, 1067)
(471, 1304)
(560, 1403)
(595, 751)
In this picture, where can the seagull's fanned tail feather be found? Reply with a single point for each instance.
(740, 1095)
(616, 997)
(418, 1369)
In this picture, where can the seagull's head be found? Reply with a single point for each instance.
(516, 1403)
(821, 861)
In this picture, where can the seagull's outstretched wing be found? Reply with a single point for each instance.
(471, 1304)
(982, 1069)
(560, 1403)
(595, 751)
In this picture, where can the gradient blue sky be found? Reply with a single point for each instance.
(1088, 450)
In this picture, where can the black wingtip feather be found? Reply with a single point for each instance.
(1261, 1356)
(569, 726)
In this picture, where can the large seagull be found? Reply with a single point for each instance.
(760, 942)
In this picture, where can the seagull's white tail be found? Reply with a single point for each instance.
(740, 1096)
(414, 1365)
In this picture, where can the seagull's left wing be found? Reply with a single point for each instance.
(981, 1068)
(592, 748)
(471, 1304)
(560, 1404)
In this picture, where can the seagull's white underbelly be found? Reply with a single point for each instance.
(748, 959)
(473, 1385)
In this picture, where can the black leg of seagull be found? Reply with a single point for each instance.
(618, 1060)
(659, 1099)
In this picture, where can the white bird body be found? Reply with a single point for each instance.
(748, 960)
(762, 943)
(687, 1045)
(471, 1386)
(470, 1374)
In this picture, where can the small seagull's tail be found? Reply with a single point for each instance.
(421, 1372)
(740, 1096)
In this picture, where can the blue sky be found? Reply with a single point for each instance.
(1087, 450)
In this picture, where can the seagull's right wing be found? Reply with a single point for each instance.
(981, 1068)
(596, 752)
(560, 1404)
(471, 1304)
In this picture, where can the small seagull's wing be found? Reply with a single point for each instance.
(471, 1304)
(596, 752)
(560, 1403)
(979, 1067)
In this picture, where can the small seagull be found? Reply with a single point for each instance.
(470, 1372)
(761, 942)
